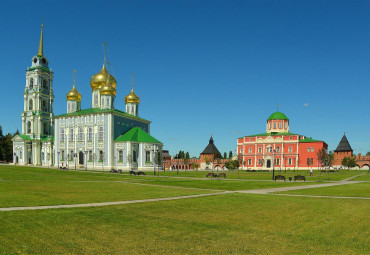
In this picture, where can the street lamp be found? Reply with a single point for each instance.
(273, 166)
(102, 162)
(75, 156)
(15, 159)
(67, 161)
(93, 161)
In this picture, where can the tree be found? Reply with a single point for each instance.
(322, 156)
(330, 158)
(349, 162)
(368, 153)
(158, 159)
(187, 156)
(230, 154)
(195, 166)
(225, 155)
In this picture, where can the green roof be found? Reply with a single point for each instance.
(98, 110)
(269, 134)
(309, 140)
(278, 116)
(48, 138)
(39, 67)
(25, 137)
(136, 134)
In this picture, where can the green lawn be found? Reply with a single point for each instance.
(348, 190)
(223, 224)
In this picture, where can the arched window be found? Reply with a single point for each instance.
(29, 127)
(274, 124)
(95, 99)
(89, 134)
(134, 158)
(45, 83)
(277, 161)
(44, 105)
(280, 125)
(120, 155)
(71, 134)
(100, 155)
(31, 83)
(62, 134)
(80, 134)
(30, 105)
(101, 133)
(46, 129)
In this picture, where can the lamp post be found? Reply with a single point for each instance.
(15, 159)
(285, 163)
(273, 166)
(86, 159)
(67, 161)
(102, 162)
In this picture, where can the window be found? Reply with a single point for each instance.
(71, 134)
(275, 125)
(147, 156)
(270, 125)
(285, 125)
(100, 136)
(308, 161)
(31, 83)
(312, 149)
(43, 156)
(62, 134)
(89, 134)
(71, 156)
(44, 106)
(45, 127)
(120, 155)
(45, 84)
(250, 149)
(90, 156)
(29, 127)
(101, 156)
(311, 161)
(259, 150)
(277, 161)
(30, 105)
(20, 155)
(290, 149)
(96, 99)
(62, 157)
(278, 149)
(259, 161)
(80, 134)
(280, 125)
(289, 161)
(249, 162)
(134, 158)
(308, 149)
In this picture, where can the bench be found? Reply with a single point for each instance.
(299, 177)
(113, 171)
(211, 175)
(279, 177)
(222, 175)
(2, 162)
(141, 173)
(331, 171)
(119, 171)
(132, 172)
(323, 171)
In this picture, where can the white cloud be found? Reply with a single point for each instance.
(305, 104)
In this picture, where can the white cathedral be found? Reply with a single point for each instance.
(101, 137)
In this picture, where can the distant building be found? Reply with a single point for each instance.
(278, 147)
(344, 149)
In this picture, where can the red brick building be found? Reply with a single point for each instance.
(278, 147)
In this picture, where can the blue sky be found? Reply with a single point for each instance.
(203, 67)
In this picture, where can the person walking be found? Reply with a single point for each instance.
(311, 172)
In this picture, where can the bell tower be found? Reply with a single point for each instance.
(132, 100)
(37, 116)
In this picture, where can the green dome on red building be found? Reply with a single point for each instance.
(278, 116)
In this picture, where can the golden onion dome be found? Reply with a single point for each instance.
(100, 79)
(74, 95)
(132, 97)
(108, 89)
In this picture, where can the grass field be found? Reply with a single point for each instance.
(232, 223)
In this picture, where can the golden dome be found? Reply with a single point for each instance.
(132, 97)
(74, 95)
(100, 79)
(108, 89)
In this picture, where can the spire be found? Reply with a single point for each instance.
(41, 47)
(104, 49)
(132, 81)
(74, 78)
(344, 144)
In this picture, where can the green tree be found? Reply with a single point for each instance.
(225, 155)
(349, 162)
(158, 159)
(230, 154)
(368, 153)
(330, 158)
(187, 155)
(322, 156)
